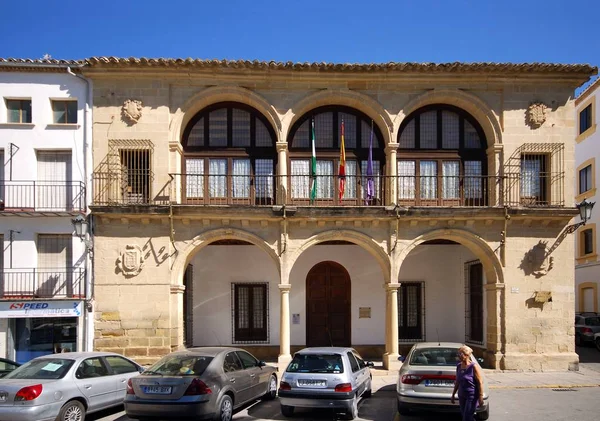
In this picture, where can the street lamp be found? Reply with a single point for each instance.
(585, 213)
(81, 226)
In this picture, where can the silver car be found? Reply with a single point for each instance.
(326, 377)
(200, 383)
(64, 387)
(426, 379)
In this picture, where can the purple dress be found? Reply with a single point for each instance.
(468, 391)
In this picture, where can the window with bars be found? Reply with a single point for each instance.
(250, 312)
(411, 312)
(64, 111)
(474, 302)
(135, 175)
(19, 110)
(361, 140)
(534, 178)
(188, 306)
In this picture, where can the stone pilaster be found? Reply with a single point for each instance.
(390, 358)
(284, 326)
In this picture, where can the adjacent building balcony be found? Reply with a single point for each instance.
(53, 198)
(537, 189)
(40, 283)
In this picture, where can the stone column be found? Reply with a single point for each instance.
(392, 181)
(174, 167)
(390, 358)
(496, 184)
(176, 317)
(284, 326)
(494, 294)
(281, 180)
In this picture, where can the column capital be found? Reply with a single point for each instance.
(175, 147)
(392, 286)
(281, 146)
(495, 287)
(392, 147)
(284, 288)
(177, 289)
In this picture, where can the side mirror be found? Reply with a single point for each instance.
(480, 361)
(261, 364)
(141, 369)
(401, 358)
(370, 364)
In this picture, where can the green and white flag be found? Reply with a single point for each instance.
(313, 168)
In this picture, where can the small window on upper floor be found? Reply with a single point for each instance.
(19, 111)
(587, 241)
(585, 179)
(64, 112)
(585, 119)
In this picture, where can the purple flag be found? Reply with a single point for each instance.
(370, 182)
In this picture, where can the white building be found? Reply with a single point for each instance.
(45, 162)
(587, 158)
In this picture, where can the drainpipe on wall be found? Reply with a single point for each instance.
(88, 339)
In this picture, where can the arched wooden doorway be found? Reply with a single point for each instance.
(328, 305)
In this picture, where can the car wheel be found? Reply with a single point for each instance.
(598, 343)
(272, 388)
(483, 415)
(353, 412)
(403, 410)
(578, 340)
(225, 411)
(72, 411)
(287, 411)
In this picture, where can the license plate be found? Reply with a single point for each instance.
(157, 390)
(439, 383)
(311, 382)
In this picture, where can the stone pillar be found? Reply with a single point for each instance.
(390, 358)
(494, 294)
(495, 183)
(176, 317)
(284, 326)
(392, 181)
(281, 180)
(174, 167)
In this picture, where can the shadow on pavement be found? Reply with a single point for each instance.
(107, 413)
(588, 354)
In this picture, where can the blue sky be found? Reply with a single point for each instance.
(349, 31)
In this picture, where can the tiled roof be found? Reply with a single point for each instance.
(349, 67)
(588, 90)
(41, 62)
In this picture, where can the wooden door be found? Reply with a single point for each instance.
(328, 305)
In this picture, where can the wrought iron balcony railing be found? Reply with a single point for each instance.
(49, 283)
(42, 196)
(515, 190)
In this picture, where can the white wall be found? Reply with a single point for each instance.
(216, 267)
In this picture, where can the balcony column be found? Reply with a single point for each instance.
(285, 355)
(175, 155)
(390, 358)
(281, 178)
(392, 182)
(495, 156)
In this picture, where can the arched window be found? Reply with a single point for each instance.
(229, 157)
(362, 181)
(441, 159)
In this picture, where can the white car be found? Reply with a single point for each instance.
(426, 379)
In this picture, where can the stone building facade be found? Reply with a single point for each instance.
(457, 191)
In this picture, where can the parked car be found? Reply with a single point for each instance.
(586, 325)
(327, 377)
(6, 366)
(597, 340)
(200, 383)
(65, 387)
(426, 379)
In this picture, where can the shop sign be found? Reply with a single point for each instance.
(17, 309)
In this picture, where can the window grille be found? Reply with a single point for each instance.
(250, 313)
(474, 302)
(411, 312)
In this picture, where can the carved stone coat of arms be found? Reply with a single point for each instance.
(536, 114)
(131, 261)
(132, 110)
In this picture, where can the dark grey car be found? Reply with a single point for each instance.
(586, 325)
(199, 383)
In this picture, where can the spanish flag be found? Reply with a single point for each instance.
(342, 170)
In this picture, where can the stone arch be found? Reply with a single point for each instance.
(345, 97)
(205, 238)
(480, 248)
(216, 94)
(464, 100)
(354, 237)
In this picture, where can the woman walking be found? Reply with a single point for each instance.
(469, 384)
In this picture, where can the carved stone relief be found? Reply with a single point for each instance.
(536, 114)
(131, 261)
(537, 261)
(132, 110)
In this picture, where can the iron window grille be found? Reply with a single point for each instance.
(250, 313)
(474, 322)
(411, 312)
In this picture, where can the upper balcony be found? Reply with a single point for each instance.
(38, 198)
(36, 283)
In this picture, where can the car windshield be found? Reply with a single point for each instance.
(179, 365)
(434, 356)
(592, 321)
(46, 368)
(316, 363)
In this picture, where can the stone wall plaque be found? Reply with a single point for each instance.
(364, 312)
